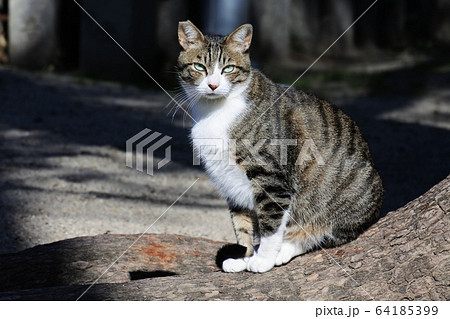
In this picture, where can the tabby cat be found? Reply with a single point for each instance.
(295, 170)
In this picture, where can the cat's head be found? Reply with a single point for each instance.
(213, 67)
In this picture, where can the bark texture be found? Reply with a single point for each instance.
(405, 256)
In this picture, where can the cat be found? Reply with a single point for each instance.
(295, 171)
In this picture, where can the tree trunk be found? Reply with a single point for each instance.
(441, 25)
(338, 16)
(272, 22)
(305, 26)
(405, 256)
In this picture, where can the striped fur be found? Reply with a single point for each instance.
(319, 189)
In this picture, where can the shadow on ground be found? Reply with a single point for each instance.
(46, 118)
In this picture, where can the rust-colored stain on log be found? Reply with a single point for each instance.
(161, 252)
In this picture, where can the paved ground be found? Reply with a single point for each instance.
(62, 157)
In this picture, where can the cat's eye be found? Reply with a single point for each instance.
(228, 69)
(199, 67)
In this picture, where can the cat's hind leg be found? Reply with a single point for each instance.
(299, 240)
(289, 249)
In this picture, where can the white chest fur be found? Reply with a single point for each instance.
(211, 134)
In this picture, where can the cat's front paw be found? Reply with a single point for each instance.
(260, 263)
(234, 265)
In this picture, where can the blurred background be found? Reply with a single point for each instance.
(56, 35)
(70, 98)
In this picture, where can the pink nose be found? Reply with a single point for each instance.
(212, 86)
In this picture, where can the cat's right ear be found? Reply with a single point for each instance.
(189, 35)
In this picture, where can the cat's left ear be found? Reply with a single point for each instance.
(241, 38)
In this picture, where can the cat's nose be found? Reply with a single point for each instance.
(213, 86)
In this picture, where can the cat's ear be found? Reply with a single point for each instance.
(241, 38)
(188, 35)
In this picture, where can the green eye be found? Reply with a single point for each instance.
(228, 69)
(199, 67)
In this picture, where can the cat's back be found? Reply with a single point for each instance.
(293, 113)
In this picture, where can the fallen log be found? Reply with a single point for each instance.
(404, 256)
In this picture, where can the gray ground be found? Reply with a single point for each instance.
(62, 157)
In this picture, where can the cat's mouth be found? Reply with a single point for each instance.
(213, 96)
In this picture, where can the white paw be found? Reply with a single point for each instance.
(258, 263)
(287, 252)
(234, 265)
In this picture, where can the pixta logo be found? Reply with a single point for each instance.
(143, 146)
